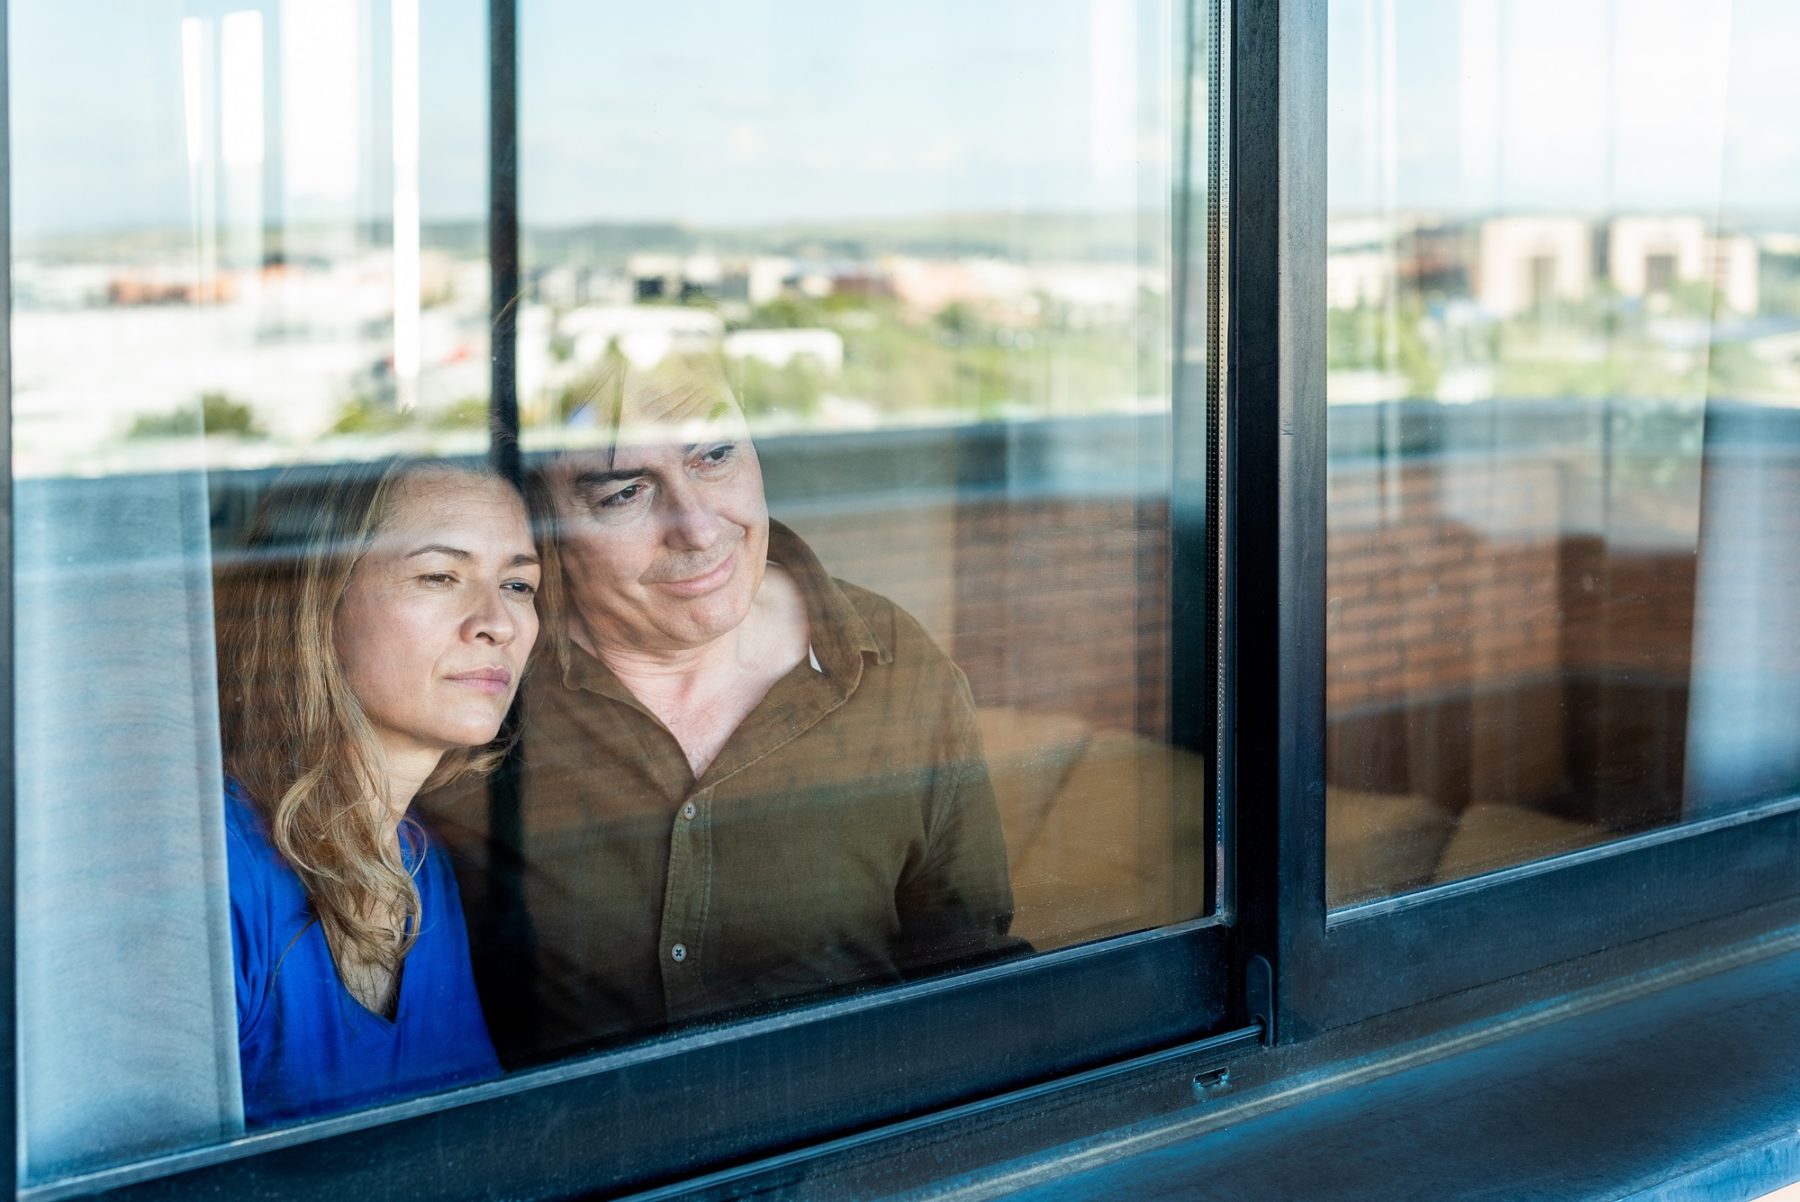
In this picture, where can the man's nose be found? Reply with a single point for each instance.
(689, 519)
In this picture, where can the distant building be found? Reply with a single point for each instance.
(750, 279)
(1354, 278)
(1647, 256)
(778, 348)
(645, 334)
(1736, 271)
(1526, 262)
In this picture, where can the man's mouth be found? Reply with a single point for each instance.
(705, 582)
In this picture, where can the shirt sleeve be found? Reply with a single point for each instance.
(956, 905)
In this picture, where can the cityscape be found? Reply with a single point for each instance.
(124, 350)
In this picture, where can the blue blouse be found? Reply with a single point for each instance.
(306, 1046)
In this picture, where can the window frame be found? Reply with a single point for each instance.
(1337, 967)
(804, 1074)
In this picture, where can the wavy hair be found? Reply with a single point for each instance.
(295, 735)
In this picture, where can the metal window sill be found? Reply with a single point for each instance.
(1684, 1092)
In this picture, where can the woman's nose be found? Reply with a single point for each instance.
(492, 620)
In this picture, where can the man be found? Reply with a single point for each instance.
(742, 781)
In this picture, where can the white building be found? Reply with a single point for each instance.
(1524, 262)
(1649, 255)
(778, 348)
(645, 334)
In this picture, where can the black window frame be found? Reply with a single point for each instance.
(1272, 961)
(724, 1093)
(1335, 967)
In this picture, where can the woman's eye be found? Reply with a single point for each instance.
(523, 588)
(438, 578)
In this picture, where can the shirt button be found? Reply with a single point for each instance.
(678, 953)
(688, 810)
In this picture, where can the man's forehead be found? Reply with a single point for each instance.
(721, 419)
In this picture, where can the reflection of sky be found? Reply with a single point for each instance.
(760, 110)
(709, 113)
(1588, 105)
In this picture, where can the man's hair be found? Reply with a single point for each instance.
(295, 735)
(626, 404)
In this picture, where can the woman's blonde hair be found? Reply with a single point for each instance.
(295, 736)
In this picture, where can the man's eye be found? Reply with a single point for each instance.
(623, 497)
(719, 454)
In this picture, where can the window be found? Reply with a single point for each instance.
(1558, 666)
(1275, 518)
(948, 271)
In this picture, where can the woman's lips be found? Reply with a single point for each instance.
(706, 582)
(494, 682)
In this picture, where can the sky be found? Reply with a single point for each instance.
(740, 112)
(1584, 105)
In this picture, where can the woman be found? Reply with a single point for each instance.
(371, 641)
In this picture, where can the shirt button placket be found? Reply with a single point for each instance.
(689, 862)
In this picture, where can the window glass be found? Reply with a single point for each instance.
(909, 273)
(834, 592)
(1562, 322)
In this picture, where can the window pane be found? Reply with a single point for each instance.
(1562, 384)
(836, 590)
(923, 258)
(261, 244)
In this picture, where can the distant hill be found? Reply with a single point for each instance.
(1024, 237)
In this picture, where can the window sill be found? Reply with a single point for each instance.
(1686, 1091)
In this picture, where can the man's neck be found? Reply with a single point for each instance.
(675, 673)
(702, 694)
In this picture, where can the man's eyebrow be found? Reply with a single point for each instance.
(592, 477)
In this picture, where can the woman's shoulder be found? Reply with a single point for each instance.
(257, 871)
(245, 828)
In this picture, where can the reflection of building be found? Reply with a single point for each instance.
(1357, 277)
(645, 334)
(1648, 256)
(1359, 263)
(1525, 262)
(1367, 259)
(778, 348)
(755, 279)
(1733, 269)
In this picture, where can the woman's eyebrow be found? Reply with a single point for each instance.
(439, 549)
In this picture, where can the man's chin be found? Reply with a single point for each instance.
(696, 621)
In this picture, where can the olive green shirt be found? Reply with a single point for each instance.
(846, 834)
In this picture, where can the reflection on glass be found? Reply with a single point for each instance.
(1563, 391)
(919, 262)
(262, 243)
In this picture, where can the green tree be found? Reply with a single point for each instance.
(213, 413)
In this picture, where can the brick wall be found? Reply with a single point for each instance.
(1049, 604)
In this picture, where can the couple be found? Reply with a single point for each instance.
(742, 781)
